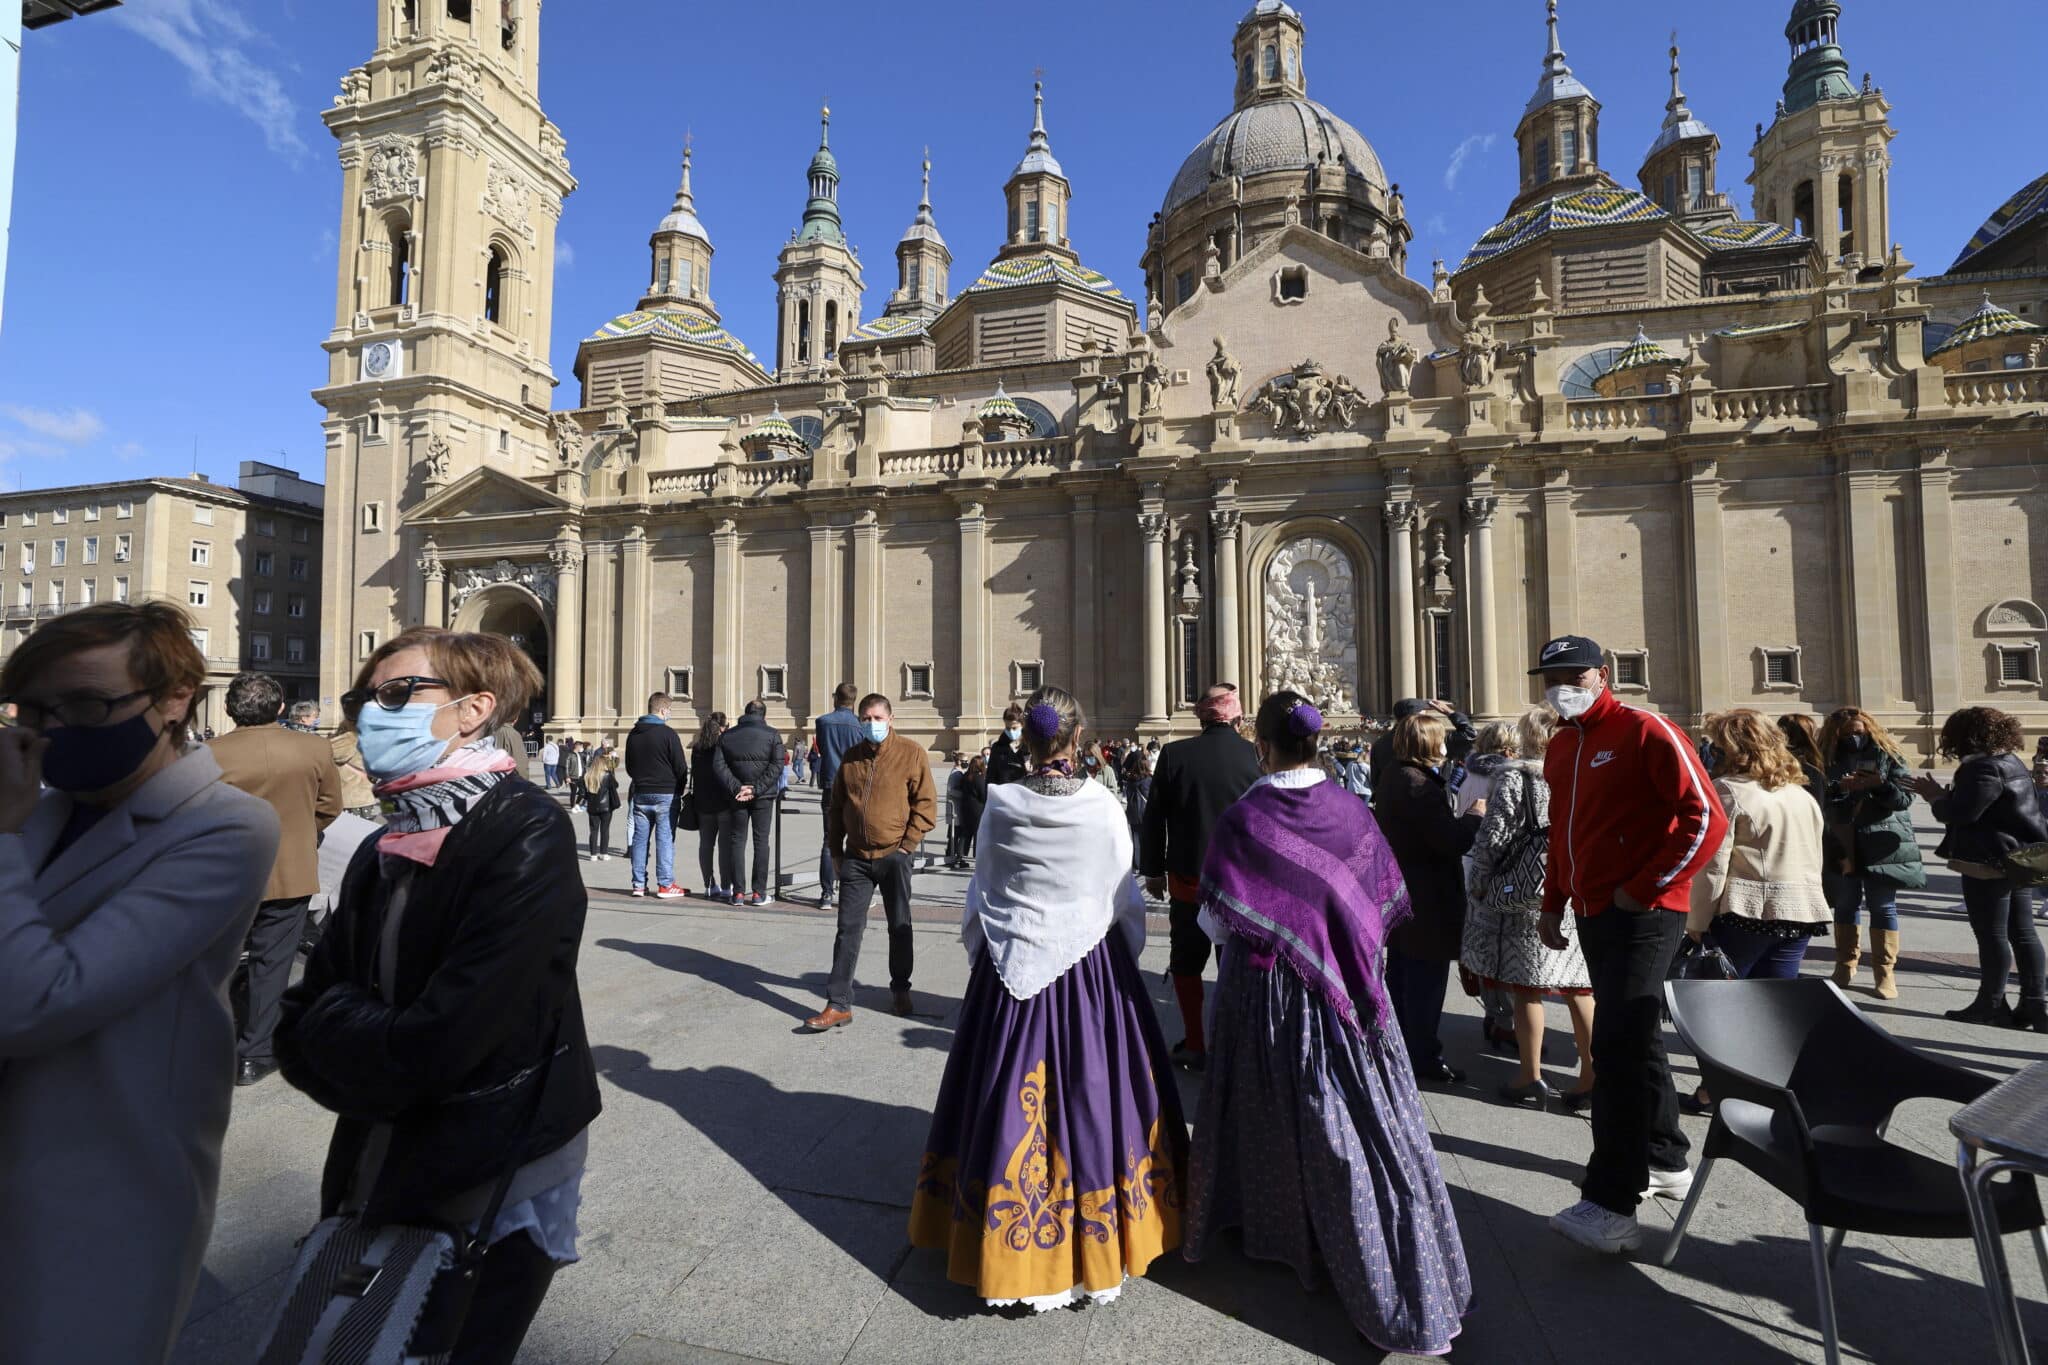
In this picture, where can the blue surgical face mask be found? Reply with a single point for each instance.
(876, 730)
(400, 743)
(90, 758)
(1013, 734)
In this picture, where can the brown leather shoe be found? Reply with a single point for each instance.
(899, 1003)
(827, 1019)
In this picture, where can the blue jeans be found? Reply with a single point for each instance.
(551, 772)
(1853, 894)
(1761, 957)
(1415, 990)
(651, 812)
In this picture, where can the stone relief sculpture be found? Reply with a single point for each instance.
(1306, 401)
(1397, 359)
(467, 582)
(1311, 631)
(568, 439)
(505, 198)
(438, 460)
(393, 169)
(1477, 356)
(355, 89)
(1223, 376)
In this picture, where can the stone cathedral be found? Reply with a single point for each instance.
(1748, 446)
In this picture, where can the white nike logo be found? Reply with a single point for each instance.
(1602, 760)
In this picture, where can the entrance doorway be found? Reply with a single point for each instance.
(516, 615)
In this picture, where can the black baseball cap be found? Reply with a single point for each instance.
(1569, 651)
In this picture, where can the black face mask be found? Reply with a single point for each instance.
(1858, 743)
(90, 758)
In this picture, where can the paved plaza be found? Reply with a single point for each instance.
(749, 1184)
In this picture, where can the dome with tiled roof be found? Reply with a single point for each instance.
(888, 327)
(774, 435)
(1588, 208)
(1017, 271)
(676, 325)
(1987, 322)
(1642, 354)
(2027, 208)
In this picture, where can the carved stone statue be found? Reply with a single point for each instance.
(1477, 355)
(355, 89)
(568, 439)
(538, 579)
(1342, 402)
(1154, 315)
(1306, 401)
(437, 461)
(1223, 376)
(1397, 359)
(1311, 639)
(1151, 388)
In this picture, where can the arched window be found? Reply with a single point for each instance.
(1695, 184)
(409, 11)
(831, 327)
(1247, 78)
(803, 332)
(494, 286)
(1272, 63)
(399, 232)
(913, 280)
(1043, 423)
(1802, 209)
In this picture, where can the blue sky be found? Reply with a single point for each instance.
(176, 198)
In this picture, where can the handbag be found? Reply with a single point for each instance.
(1700, 960)
(359, 1293)
(1516, 883)
(685, 812)
(2027, 865)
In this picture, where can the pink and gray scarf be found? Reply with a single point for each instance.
(420, 809)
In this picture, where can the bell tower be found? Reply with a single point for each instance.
(818, 282)
(452, 185)
(1038, 194)
(1823, 167)
(1559, 135)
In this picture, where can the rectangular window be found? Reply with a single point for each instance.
(1670, 192)
(197, 592)
(1542, 160)
(57, 593)
(1632, 670)
(202, 552)
(914, 281)
(298, 568)
(122, 546)
(1568, 145)
(124, 509)
(677, 683)
(2019, 664)
(59, 553)
(1183, 286)
(366, 644)
(266, 563)
(686, 274)
(295, 606)
(28, 556)
(1031, 220)
(200, 638)
(1030, 677)
(301, 533)
(59, 515)
(121, 588)
(1440, 651)
(917, 681)
(88, 592)
(774, 682)
(1191, 671)
(266, 526)
(92, 511)
(504, 440)
(294, 649)
(1695, 185)
(1781, 667)
(373, 516)
(28, 518)
(259, 649)
(25, 595)
(92, 549)
(661, 269)
(262, 602)
(202, 515)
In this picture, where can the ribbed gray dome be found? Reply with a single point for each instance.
(1274, 135)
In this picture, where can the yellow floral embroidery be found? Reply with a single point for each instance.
(1039, 1208)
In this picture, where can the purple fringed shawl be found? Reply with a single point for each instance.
(1303, 874)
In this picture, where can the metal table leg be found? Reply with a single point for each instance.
(2006, 1327)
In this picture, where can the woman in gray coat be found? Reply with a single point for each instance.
(125, 893)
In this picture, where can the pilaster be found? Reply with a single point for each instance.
(1480, 509)
(1225, 523)
(1401, 514)
(1871, 685)
(566, 687)
(974, 717)
(867, 601)
(824, 620)
(636, 667)
(1708, 583)
(1152, 527)
(433, 586)
(726, 691)
(1560, 593)
(600, 642)
(1084, 587)
(1936, 479)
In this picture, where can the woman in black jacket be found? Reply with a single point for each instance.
(1991, 809)
(708, 798)
(600, 788)
(973, 801)
(1414, 812)
(439, 1017)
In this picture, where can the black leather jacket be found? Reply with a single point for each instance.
(1992, 809)
(486, 963)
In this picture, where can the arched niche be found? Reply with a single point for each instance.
(1311, 589)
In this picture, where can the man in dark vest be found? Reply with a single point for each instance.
(1194, 782)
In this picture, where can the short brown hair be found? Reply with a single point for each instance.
(1013, 714)
(1420, 738)
(844, 694)
(471, 662)
(877, 699)
(1752, 746)
(1972, 730)
(161, 656)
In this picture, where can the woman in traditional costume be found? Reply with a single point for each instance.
(1311, 1137)
(1057, 1149)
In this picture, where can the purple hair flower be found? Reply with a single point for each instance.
(1042, 722)
(1304, 720)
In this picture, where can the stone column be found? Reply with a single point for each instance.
(1938, 581)
(1152, 524)
(567, 653)
(1711, 681)
(1479, 514)
(974, 664)
(867, 602)
(726, 683)
(1225, 522)
(1401, 516)
(824, 621)
(1087, 645)
(636, 669)
(434, 580)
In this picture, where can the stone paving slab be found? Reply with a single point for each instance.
(749, 1184)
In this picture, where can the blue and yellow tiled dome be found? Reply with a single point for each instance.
(2030, 205)
(1587, 208)
(773, 435)
(888, 327)
(1987, 322)
(1046, 269)
(1741, 234)
(1002, 408)
(694, 328)
(1642, 354)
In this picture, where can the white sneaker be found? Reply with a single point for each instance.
(1598, 1229)
(1669, 1184)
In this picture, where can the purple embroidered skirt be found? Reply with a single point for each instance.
(1312, 1139)
(1057, 1149)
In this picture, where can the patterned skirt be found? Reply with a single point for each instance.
(1057, 1152)
(1312, 1139)
(1504, 948)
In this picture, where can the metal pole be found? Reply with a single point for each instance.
(778, 845)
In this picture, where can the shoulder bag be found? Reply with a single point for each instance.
(1515, 883)
(359, 1293)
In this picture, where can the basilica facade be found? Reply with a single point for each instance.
(1749, 447)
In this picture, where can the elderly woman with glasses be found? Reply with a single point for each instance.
(440, 1017)
(126, 889)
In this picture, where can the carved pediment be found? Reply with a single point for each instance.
(488, 493)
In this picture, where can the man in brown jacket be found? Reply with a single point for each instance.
(882, 805)
(295, 773)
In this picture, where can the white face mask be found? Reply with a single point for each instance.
(1571, 702)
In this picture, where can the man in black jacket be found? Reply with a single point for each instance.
(1195, 781)
(654, 762)
(748, 761)
(1006, 755)
(1463, 734)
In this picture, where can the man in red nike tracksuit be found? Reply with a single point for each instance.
(1633, 816)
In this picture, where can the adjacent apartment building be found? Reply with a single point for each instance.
(244, 561)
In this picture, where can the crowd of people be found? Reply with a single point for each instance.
(1566, 855)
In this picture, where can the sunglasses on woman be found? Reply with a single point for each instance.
(393, 694)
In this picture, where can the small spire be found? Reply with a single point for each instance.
(1038, 104)
(825, 126)
(1553, 60)
(1677, 95)
(924, 203)
(685, 201)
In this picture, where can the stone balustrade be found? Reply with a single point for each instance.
(1002, 458)
(945, 462)
(1995, 388)
(1654, 413)
(1794, 402)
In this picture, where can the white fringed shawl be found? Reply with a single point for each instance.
(1051, 875)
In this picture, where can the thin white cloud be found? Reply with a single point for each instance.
(75, 426)
(1436, 226)
(1469, 148)
(208, 39)
(565, 255)
(129, 450)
